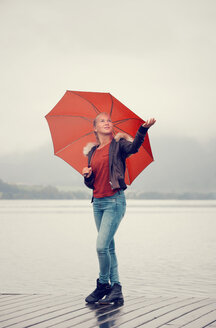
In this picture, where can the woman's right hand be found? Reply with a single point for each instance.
(86, 172)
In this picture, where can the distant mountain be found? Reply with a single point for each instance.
(181, 165)
(14, 191)
(39, 166)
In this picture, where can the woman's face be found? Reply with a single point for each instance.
(103, 124)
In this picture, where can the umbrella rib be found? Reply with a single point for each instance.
(85, 118)
(111, 104)
(125, 120)
(94, 107)
(87, 134)
(147, 152)
(125, 132)
(121, 121)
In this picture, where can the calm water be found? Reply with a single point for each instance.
(164, 247)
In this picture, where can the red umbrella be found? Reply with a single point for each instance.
(71, 127)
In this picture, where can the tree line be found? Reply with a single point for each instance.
(14, 191)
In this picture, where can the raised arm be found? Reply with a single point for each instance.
(128, 147)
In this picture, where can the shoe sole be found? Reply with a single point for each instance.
(118, 301)
(95, 300)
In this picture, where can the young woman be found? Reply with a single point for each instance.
(105, 175)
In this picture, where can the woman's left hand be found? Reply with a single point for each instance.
(149, 123)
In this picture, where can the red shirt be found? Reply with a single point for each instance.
(100, 168)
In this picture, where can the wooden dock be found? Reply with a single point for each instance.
(65, 311)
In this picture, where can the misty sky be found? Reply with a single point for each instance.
(156, 56)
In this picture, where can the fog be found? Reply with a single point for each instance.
(180, 165)
(157, 57)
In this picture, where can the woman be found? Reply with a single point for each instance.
(105, 175)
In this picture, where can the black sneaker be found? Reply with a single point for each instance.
(100, 291)
(115, 296)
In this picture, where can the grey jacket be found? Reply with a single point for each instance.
(121, 147)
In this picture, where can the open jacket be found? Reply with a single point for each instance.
(121, 147)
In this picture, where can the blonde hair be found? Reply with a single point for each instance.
(95, 122)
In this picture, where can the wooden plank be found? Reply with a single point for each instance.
(58, 321)
(205, 320)
(34, 317)
(170, 326)
(27, 304)
(102, 315)
(193, 318)
(184, 312)
(146, 316)
(78, 315)
(66, 311)
(5, 297)
(85, 316)
(14, 300)
(34, 307)
(59, 318)
(32, 303)
(22, 300)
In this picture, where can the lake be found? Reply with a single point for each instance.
(164, 247)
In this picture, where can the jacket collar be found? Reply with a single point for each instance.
(117, 137)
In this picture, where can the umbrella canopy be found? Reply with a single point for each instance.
(71, 127)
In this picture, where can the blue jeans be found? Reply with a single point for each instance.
(108, 213)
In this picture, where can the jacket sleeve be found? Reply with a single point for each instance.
(89, 182)
(128, 147)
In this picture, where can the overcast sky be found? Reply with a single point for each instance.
(156, 56)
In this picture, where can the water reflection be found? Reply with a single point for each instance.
(106, 314)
